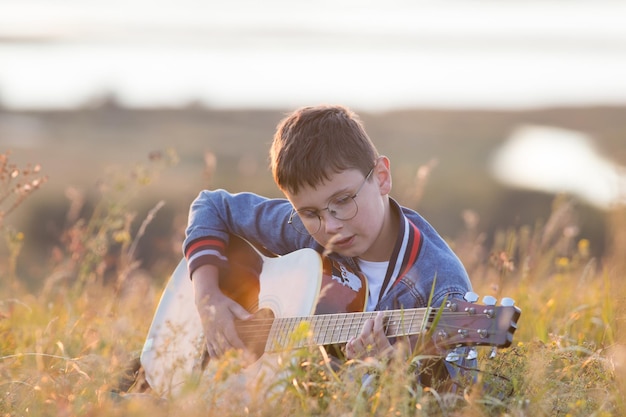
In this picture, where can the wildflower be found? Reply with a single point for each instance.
(562, 262)
(583, 247)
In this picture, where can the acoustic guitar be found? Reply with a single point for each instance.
(303, 287)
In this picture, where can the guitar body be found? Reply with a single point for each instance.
(298, 284)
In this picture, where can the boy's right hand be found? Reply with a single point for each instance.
(217, 312)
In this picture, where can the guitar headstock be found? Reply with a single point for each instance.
(463, 322)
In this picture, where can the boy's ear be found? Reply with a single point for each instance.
(382, 173)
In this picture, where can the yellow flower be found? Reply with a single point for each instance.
(583, 247)
(121, 236)
(562, 262)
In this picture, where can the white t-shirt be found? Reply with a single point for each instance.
(375, 274)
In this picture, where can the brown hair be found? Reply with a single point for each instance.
(312, 143)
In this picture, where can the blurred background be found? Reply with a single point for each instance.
(488, 110)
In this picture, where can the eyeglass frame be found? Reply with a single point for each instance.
(294, 212)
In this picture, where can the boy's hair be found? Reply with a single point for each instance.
(312, 143)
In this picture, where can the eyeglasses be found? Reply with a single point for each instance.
(342, 207)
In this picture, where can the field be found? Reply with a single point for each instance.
(90, 242)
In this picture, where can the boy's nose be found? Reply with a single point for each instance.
(330, 223)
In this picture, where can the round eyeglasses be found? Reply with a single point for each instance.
(341, 207)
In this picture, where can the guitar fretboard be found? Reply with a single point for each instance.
(328, 329)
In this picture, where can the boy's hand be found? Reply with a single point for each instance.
(217, 312)
(371, 342)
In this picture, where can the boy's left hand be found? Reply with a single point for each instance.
(372, 342)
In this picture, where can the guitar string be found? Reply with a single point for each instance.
(389, 314)
(395, 319)
(260, 329)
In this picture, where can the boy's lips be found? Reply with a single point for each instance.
(343, 242)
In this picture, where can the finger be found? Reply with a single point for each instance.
(365, 347)
(232, 340)
(378, 335)
(350, 352)
(240, 312)
(216, 342)
(367, 329)
(354, 348)
(211, 352)
(379, 321)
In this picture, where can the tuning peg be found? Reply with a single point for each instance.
(452, 356)
(489, 300)
(507, 302)
(472, 354)
(471, 297)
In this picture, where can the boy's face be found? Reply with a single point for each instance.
(358, 235)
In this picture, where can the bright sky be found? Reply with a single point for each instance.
(366, 53)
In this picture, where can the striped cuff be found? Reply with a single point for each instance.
(205, 251)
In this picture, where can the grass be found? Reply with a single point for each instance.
(65, 346)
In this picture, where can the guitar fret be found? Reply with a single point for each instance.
(321, 337)
(391, 326)
(278, 334)
(285, 330)
(401, 328)
(347, 333)
(316, 325)
(341, 329)
(340, 320)
(289, 340)
(336, 334)
(327, 322)
(348, 329)
(344, 331)
(321, 326)
(329, 333)
(272, 337)
(329, 329)
(354, 327)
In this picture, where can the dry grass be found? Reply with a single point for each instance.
(64, 347)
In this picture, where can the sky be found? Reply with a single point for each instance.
(368, 54)
(373, 55)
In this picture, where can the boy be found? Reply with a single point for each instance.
(337, 201)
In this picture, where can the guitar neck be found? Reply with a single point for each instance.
(329, 329)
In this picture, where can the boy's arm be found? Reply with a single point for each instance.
(261, 221)
(217, 312)
(213, 217)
